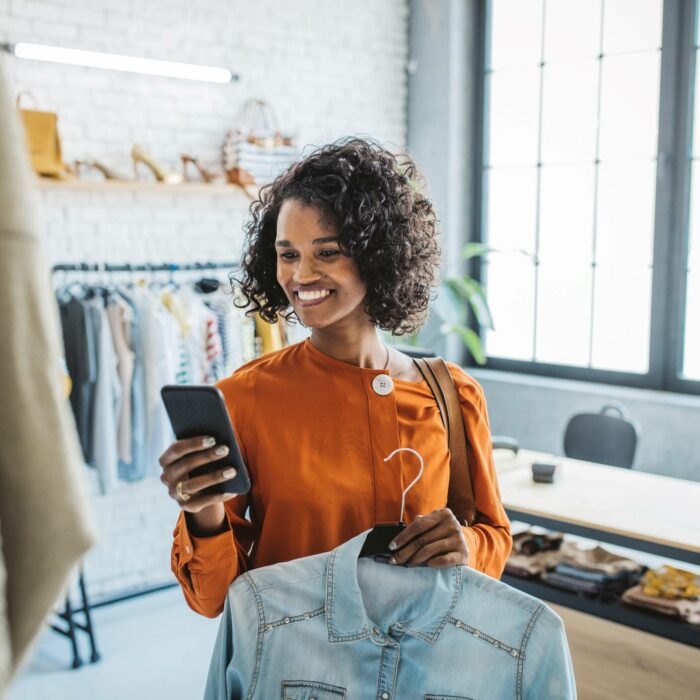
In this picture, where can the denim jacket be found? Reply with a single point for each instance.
(330, 626)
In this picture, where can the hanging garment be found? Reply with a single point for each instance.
(45, 522)
(136, 468)
(335, 626)
(214, 352)
(228, 317)
(159, 338)
(314, 432)
(119, 315)
(108, 397)
(81, 358)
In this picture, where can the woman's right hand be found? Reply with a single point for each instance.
(181, 457)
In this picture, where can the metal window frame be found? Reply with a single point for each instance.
(671, 219)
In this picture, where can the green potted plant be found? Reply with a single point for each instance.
(459, 293)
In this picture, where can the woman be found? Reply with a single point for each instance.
(344, 242)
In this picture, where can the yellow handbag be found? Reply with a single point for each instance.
(43, 142)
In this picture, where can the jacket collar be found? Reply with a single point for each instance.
(346, 617)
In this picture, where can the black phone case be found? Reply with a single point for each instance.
(200, 410)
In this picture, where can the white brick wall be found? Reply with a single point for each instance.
(330, 68)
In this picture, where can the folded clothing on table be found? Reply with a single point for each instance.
(529, 542)
(685, 609)
(595, 571)
(601, 561)
(527, 565)
(672, 583)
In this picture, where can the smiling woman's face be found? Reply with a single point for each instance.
(321, 282)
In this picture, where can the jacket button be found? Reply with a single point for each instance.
(385, 696)
(383, 384)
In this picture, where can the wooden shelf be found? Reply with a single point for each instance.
(46, 183)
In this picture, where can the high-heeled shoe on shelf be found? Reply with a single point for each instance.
(210, 176)
(109, 173)
(169, 177)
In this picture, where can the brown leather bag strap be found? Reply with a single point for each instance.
(460, 495)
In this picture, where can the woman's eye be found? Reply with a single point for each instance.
(329, 253)
(287, 256)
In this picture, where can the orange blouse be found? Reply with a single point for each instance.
(314, 434)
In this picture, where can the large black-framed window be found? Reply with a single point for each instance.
(588, 188)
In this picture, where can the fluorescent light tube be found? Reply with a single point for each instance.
(111, 61)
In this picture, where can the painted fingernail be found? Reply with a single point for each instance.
(229, 473)
(221, 451)
(208, 442)
(392, 546)
(229, 496)
(392, 560)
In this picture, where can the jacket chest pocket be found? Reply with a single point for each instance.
(310, 690)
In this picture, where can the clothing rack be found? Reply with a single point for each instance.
(68, 615)
(143, 267)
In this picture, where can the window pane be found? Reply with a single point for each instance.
(513, 117)
(694, 234)
(629, 110)
(696, 134)
(621, 308)
(566, 214)
(512, 199)
(569, 112)
(625, 231)
(691, 349)
(516, 33)
(631, 25)
(564, 313)
(691, 346)
(571, 29)
(510, 289)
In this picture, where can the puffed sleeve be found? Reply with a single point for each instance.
(489, 538)
(206, 566)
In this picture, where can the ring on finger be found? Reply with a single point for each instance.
(181, 494)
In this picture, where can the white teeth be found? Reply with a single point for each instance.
(310, 296)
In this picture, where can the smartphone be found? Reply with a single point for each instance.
(200, 410)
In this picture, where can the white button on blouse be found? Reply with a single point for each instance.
(383, 384)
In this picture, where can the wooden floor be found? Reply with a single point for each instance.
(614, 662)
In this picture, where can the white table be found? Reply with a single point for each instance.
(646, 512)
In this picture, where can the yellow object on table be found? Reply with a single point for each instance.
(670, 582)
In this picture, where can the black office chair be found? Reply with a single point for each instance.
(603, 438)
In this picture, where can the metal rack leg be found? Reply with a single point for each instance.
(77, 661)
(95, 655)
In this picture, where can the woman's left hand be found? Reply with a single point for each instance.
(436, 539)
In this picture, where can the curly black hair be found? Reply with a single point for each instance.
(371, 199)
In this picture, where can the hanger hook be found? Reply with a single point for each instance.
(420, 473)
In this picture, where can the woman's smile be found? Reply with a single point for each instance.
(312, 297)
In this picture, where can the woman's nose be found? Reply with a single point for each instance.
(306, 272)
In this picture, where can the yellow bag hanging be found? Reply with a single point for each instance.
(43, 142)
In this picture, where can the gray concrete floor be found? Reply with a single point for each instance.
(153, 647)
